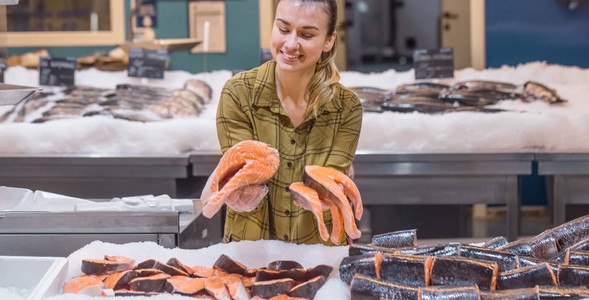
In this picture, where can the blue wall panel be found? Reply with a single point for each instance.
(536, 30)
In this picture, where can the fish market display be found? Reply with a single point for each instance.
(127, 102)
(472, 95)
(326, 188)
(226, 280)
(552, 264)
(239, 179)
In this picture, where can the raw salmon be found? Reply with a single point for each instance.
(336, 223)
(216, 287)
(308, 199)
(460, 271)
(333, 181)
(79, 283)
(531, 276)
(328, 183)
(246, 163)
(449, 292)
(184, 285)
(284, 265)
(369, 287)
(103, 266)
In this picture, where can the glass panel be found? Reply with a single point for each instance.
(59, 15)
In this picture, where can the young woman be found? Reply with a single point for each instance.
(295, 104)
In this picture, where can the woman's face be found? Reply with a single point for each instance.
(299, 35)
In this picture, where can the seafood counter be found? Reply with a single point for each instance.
(552, 264)
(470, 116)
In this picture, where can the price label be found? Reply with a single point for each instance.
(433, 63)
(147, 63)
(57, 71)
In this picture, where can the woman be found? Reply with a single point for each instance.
(294, 103)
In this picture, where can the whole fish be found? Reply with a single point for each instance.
(537, 91)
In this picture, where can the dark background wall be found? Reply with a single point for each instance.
(537, 30)
(242, 33)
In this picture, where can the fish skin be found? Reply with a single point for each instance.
(268, 289)
(247, 162)
(319, 270)
(408, 270)
(580, 245)
(284, 265)
(520, 247)
(506, 261)
(308, 199)
(184, 285)
(367, 287)
(555, 292)
(570, 233)
(573, 276)
(417, 86)
(577, 257)
(307, 289)
(495, 243)
(396, 239)
(513, 294)
(361, 264)
(474, 85)
(525, 261)
(359, 249)
(460, 271)
(544, 245)
(450, 249)
(531, 276)
(225, 263)
(449, 293)
(536, 91)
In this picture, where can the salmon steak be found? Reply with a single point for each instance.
(333, 185)
(239, 178)
(308, 199)
(325, 188)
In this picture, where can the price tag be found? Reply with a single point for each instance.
(433, 63)
(147, 63)
(2, 69)
(57, 71)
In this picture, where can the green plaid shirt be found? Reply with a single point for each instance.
(249, 109)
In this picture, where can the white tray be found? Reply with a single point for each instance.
(31, 277)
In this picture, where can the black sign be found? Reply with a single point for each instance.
(433, 63)
(57, 71)
(147, 63)
(2, 69)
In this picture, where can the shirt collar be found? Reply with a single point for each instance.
(265, 91)
(265, 85)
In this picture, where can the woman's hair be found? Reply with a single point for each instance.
(321, 89)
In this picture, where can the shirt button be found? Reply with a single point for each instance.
(289, 164)
(286, 237)
(292, 141)
(287, 212)
(287, 189)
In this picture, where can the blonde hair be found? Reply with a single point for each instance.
(322, 86)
